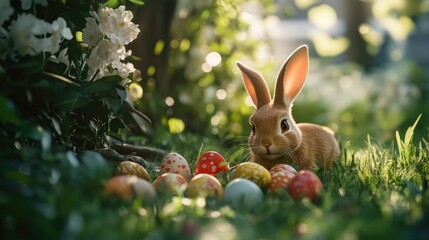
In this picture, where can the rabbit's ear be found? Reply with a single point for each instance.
(292, 77)
(255, 86)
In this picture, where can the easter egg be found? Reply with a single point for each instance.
(170, 183)
(128, 186)
(243, 193)
(205, 185)
(280, 167)
(175, 163)
(212, 163)
(280, 181)
(254, 172)
(305, 184)
(132, 168)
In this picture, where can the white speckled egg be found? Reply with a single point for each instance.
(282, 167)
(243, 193)
(254, 172)
(175, 163)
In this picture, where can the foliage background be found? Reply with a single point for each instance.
(368, 76)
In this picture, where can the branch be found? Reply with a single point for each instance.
(144, 152)
(111, 154)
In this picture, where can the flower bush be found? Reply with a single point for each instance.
(68, 72)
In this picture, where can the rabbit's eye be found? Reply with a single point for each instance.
(284, 125)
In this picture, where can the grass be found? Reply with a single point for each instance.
(374, 193)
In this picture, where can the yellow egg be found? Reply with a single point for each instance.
(205, 185)
(254, 172)
(132, 168)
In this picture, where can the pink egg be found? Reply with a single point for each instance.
(305, 184)
(175, 163)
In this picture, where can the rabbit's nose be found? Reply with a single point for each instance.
(267, 146)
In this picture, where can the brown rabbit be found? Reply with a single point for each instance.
(275, 137)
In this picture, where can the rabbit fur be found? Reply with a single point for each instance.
(275, 137)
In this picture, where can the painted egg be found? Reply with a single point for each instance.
(132, 168)
(254, 172)
(243, 193)
(212, 163)
(175, 163)
(205, 185)
(170, 183)
(128, 186)
(305, 184)
(280, 167)
(280, 181)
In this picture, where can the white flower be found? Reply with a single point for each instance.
(26, 4)
(60, 26)
(91, 33)
(27, 33)
(123, 69)
(61, 58)
(31, 35)
(5, 11)
(59, 31)
(117, 26)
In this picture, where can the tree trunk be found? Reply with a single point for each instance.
(357, 13)
(154, 19)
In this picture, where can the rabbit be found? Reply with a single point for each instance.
(275, 137)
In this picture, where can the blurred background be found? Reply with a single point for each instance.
(368, 68)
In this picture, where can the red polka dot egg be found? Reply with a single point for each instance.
(280, 181)
(176, 163)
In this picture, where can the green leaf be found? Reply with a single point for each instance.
(399, 142)
(62, 78)
(8, 111)
(138, 2)
(112, 3)
(410, 132)
(101, 85)
(28, 66)
(72, 100)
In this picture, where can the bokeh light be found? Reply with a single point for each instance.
(136, 91)
(169, 101)
(221, 94)
(213, 59)
(176, 125)
(206, 67)
(323, 16)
